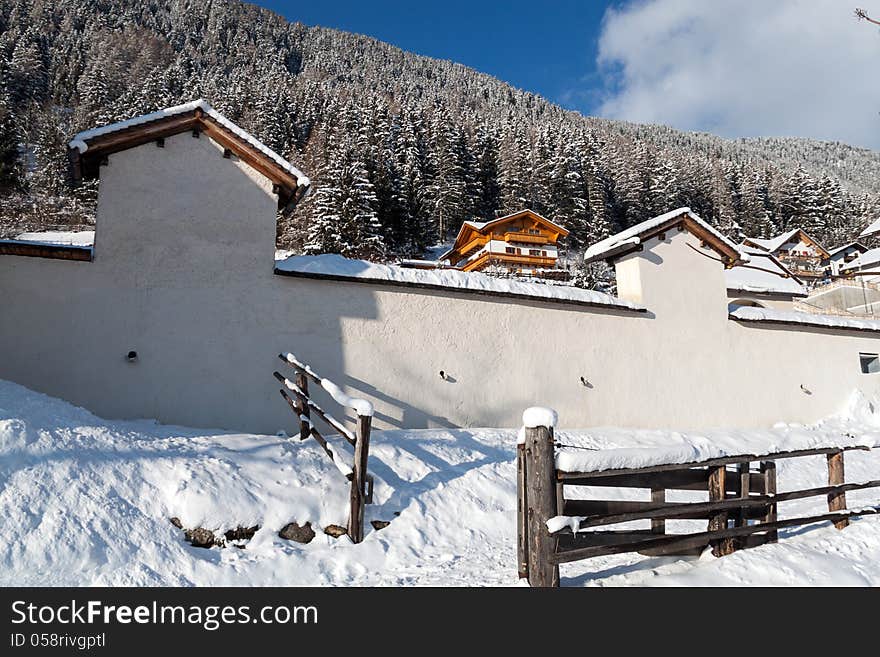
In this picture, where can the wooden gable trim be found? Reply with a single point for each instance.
(809, 240)
(730, 256)
(86, 165)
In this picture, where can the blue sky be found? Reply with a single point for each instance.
(545, 47)
(736, 68)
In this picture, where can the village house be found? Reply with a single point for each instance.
(800, 253)
(842, 256)
(523, 243)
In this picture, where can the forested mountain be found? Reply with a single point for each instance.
(401, 148)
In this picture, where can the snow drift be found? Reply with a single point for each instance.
(88, 501)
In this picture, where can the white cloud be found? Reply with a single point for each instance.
(745, 67)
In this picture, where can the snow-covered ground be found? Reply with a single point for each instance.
(87, 501)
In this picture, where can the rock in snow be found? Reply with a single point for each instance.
(294, 532)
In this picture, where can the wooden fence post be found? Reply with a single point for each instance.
(742, 518)
(540, 489)
(302, 383)
(768, 468)
(718, 521)
(658, 496)
(359, 480)
(836, 501)
(522, 530)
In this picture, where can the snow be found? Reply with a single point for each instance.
(772, 244)
(869, 258)
(336, 265)
(644, 448)
(770, 280)
(61, 238)
(360, 406)
(872, 229)
(87, 502)
(538, 416)
(80, 140)
(626, 237)
(841, 249)
(753, 314)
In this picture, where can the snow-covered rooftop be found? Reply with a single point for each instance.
(753, 314)
(335, 266)
(867, 259)
(872, 229)
(773, 243)
(841, 249)
(631, 234)
(763, 274)
(80, 140)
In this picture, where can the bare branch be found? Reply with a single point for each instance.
(861, 14)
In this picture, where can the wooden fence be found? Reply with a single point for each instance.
(741, 511)
(304, 406)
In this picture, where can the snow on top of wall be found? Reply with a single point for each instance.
(768, 279)
(631, 234)
(58, 237)
(751, 313)
(80, 140)
(614, 449)
(336, 265)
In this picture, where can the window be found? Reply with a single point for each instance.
(534, 231)
(544, 253)
(534, 252)
(509, 249)
(870, 363)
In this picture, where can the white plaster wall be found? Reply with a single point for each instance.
(183, 275)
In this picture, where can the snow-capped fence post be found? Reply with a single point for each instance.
(539, 462)
(359, 480)
(837, 500)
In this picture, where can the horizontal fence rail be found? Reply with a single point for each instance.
(741, 511)
(303, 406)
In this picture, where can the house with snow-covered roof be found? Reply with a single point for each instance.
(844, 255)
(763, 282)
(799, 252)
(522, 243)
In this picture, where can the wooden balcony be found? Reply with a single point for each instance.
(526, 238)
(510, 261)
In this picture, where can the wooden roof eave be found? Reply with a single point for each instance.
(85, 165)
(730, 256)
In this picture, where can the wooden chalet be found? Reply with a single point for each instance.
(800, 253)
(523, 243)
